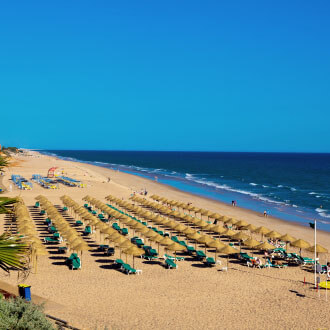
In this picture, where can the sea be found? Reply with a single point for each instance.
(291, 186)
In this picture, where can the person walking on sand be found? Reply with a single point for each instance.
(265, 214)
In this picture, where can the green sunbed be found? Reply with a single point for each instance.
(210, 261)
(200, 254)
(170, 264)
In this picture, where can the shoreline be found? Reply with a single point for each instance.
(202, 198)
(99, 295)
(276, 209)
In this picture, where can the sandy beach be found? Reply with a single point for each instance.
(191, 297)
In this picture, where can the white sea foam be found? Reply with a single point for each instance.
(294, 205)
(312, 193)
(293, 189)
(265, 186)
(317, 196)
(253, 184)
(279, 186)
(322, 212)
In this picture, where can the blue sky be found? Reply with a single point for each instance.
(165, 75)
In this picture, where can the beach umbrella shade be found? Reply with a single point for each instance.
(119, 240)
(217, 245)
(38, 251)
(240, 237)
(201, 223)
(166, 241)
(229, 233)
(319, 249)
(265, 246)
(228, 250)
(287, 238)
(189, 231)
(241, 223)
(124, 245)
(195, 237)
(150, 233)
(251, 243)
(133, 251)
(273, 234)
(218, 229)
(231, 221)
(204, 239)
(262, 230)
(180, 227)
(175, 247)
(143, 230)
(301, 244)
(251, 227)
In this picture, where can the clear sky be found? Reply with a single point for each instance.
(165, 75)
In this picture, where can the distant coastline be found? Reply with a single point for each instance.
(248, 197)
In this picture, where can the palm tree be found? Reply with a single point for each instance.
(3, 162)
(14, 254)
(5, 202)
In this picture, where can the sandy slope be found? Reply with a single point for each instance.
(192, 296)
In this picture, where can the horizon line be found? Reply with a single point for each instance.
(200, 151)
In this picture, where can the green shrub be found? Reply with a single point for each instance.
(17, 314)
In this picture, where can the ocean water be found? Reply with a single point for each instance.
(291, 186)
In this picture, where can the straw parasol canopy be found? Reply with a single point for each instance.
(273, 234)
(204, 239)
(287, 238)
(228, 250)
(262, 230)
(150, 233)
(319, 249)
(175, 247)
(166, 241)
(189, 231)
(301, 244)
(265, 246)
(251, 227)
(229, 233)
(241, 223)
(240, 236)
(217, 245)
(251, 243)
(218, 229)
(133, 251)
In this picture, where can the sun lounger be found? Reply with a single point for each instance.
(52, 240)
(170, 264)
(62, 249)
(128, 269)
(167, 256)
(103, 247)
(210, 262)
(37, 204)
(190, 249)
(110, 251)
(200, 255)
(88, 230)
(42, 212)
(124, 231)
(119, 262)
(73, 261)
(79, 223)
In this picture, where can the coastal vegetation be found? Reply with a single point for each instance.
(18, 314)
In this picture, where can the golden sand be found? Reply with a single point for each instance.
(191, 297)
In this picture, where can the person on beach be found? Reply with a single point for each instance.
(109, 179)
(265, 214)
(215, 221)
(232, 203)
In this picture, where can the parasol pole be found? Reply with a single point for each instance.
(315, 253)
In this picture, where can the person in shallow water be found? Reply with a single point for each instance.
(265, 214)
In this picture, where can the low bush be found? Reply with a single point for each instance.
(17, 314)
